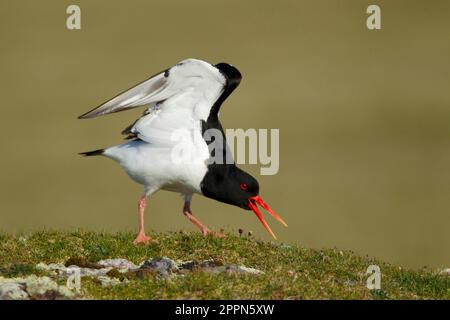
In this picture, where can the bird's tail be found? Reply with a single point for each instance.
(98, 152)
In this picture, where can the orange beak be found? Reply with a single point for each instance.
(252, 201)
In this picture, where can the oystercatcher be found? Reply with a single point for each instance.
(184, 98)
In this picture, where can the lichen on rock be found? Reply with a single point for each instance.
(33, 287)
(108, 272)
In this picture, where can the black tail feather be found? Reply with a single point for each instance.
(92, 153)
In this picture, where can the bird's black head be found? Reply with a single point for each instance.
(232, 74)
(229, 184)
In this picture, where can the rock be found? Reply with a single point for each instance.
(215, 266)
(233, 269)
(188, 265)
(86, 272)
(38, 286)
(164, 266)
(245, 270)
(113, 268)
(111, 272)
(12, 291)
(52, 268)
(103, 271)
(195, 265)
(63, 271)
(46, 288)
(120, 264)
(33, 287)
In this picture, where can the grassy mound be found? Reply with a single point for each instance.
(290, 272)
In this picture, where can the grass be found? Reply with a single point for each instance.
(291, 272)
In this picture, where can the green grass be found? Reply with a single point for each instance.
(291, 272)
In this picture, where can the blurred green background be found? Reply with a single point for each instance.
(363, 116)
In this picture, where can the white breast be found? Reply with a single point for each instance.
(159, 167)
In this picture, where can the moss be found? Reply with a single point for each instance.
(290, 271)
(114, 273)
(19, 270)
(82, 263)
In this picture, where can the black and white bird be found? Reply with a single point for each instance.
(185, 99)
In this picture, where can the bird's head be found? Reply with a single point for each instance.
(238, 188)
(230, 72)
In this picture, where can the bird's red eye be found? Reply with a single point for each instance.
(243, 186)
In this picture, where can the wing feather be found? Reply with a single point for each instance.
(133, 97)
(178, 98)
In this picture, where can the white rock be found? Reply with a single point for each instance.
(52, 268)
(120, 264)
(65, 272)
(244, 269)
(12, 291)
(87, 272)
(32, 286)
(37, 286)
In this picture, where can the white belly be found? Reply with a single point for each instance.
(157, 168)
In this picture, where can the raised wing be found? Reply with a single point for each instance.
(178, 98)
(198, 81)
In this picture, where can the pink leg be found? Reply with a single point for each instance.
(203, 229)
(141, 237)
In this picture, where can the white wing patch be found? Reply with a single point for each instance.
(183, 95)
(196, 79)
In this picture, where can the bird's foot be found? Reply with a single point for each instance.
(141, 238)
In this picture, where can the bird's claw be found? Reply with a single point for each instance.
(141, 238)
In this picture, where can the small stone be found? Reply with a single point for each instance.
(241, 269)
(39, 286)
(121, 264)
(63, 271)
(33, 287)
(211, 267)
(189, 265)
(50, 267)
(248, 270)
(12, 291)
(163, 266)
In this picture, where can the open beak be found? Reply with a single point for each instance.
(252, 201)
